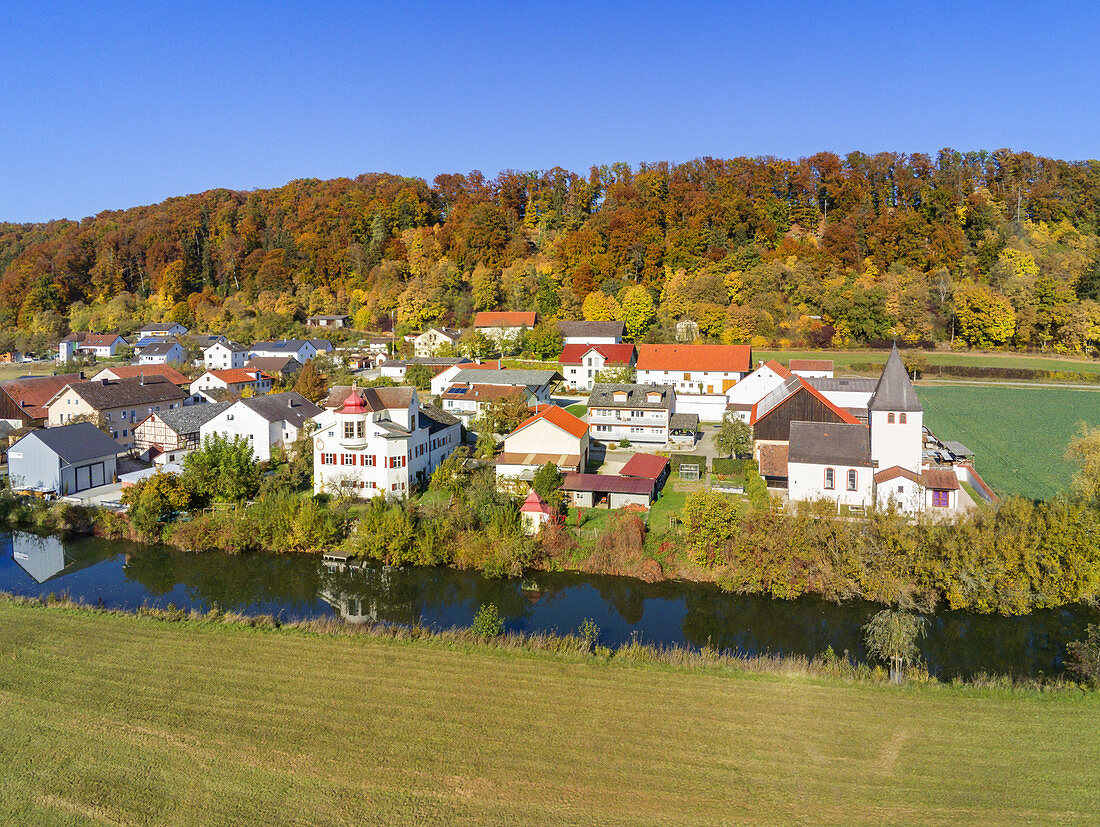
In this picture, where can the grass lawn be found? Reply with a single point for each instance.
(1019, 435)
(843, 358)
(578, 409)
(109, 719)
(14, 371)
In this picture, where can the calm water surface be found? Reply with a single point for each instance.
(126, 575)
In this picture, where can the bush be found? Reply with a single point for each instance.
(1084, 657)
(487, 622)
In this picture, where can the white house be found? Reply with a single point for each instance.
(395, 368)
(582, 363)
(435, 339)
(853, 393)
(301, 349)
(550, 435)
(812, 368)
(896, 418)
(741, 397)
(225, 355)
(445, 378)
(637, 413)
(473, 388)
(381, 442)
(167, 330)
(694, 369)
(161, 353)
(231, 382)
(338, 320)
(831, 460)
(265, 421)
(100, 345)
(591, 333)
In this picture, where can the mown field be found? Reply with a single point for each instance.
(1019, 434)
(843, 358)
(120, 719)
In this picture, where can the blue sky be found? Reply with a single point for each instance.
(111, 105)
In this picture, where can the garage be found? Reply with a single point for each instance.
(83, 477)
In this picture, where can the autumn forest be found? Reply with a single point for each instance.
(982, 249)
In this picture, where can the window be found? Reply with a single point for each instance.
(829, 475)
(851, 479)
(368, 459)
(901, 489)
(349, 459)
(901, 418)
(890, 418)
(349, 430)
(360, 429)
(687, 377)
(941, 499)
(328, 459)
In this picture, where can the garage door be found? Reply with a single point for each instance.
(83, 477)
(97, 474)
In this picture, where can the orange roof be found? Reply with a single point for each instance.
(505, 318)
(695, 357)
(647, 466)
(612, 354)
(100, 340)
(559, 417)
(132, 371)
(895, 471)
(778, 368)
(236, 376)
(814, 392)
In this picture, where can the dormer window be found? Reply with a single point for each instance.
(653, 397)
(619, 396)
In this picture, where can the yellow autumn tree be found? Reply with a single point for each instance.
(599, 307)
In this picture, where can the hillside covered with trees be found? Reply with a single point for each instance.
(985, 249)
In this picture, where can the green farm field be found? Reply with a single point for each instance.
(122, 719)
(843, 358)
(1018, 434)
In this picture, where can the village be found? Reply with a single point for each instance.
(615, 420)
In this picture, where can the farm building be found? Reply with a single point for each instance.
(605, 491)
(647, 467)
(63, 460)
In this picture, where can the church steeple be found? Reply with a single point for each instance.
(894, 391)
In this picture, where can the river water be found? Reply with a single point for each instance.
(126, 575)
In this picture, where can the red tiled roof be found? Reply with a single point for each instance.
(612, 354)
(695, 357)
(236, 376)
(806, 386)
(481, 393)
(31, 393)
(130, 371)
(811, 364)
(505, 318)
(100, 340)
(647, 466)
(940, 479)
(895, 471)
(556, 416)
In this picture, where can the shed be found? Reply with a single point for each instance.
(598, 490)
(534, 513)
(63, 460)
(647, 467)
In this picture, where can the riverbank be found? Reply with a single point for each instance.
(120, 717)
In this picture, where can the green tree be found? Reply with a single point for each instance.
(734, 437)
(451, 476)
(599, 307)
(1084, 451)
(310, 383)
(222, 470)
(503, 415)
(638, 310)
(155, 502)
(547, 484)
(419, 376)
(545, 340)
(986, 319)
(892, 636)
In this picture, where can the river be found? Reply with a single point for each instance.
(294, 586)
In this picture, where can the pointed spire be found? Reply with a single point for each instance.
(894, 391)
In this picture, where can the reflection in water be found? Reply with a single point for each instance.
(127, 575)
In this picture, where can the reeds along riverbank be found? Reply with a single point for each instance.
(584, 646)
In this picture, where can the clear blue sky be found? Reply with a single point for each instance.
(111, 105)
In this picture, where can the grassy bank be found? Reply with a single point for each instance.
(109, 717)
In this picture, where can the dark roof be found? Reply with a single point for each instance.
(575, 329)
(76, 442)
(957, 448)
(284, 345)
(684, 422)
(429, 361)
(822, 443)
(940, 479)
(332, 317)
(849, 384)
(163, 327)
(188, 419)
(289, 406)
(435, 419)
(773, 460)
(31, 393)
(321, 344)
(159, 348)
(118, 393)
(130, 371)
(530, 378)
(603, 483)
(601, 396)
(646, 466)
(274, 364)
(894, 391)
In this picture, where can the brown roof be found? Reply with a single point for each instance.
(895, 471)
(100, 340)
(374, 399)
(811, 364)
(773, 460)
(130, 371)
(481, 393)
(538, 460)
(31, 393)
(605, 483)
(734, 358)
(118, 393)
(940, 479)
(504, 319)
(274, 364)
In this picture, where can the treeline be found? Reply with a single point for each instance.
(991, 249)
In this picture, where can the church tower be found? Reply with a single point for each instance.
(896, 418)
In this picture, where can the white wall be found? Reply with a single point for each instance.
(238, 420)
(698, 381)
(710, 407)
(755, 386)
(909, 500)
(806, 481)
(894, 443)
(442, 380)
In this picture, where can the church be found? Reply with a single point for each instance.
(877, 463)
